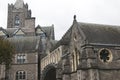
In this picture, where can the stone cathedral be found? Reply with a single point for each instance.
(86, 51)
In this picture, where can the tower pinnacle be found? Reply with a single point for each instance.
(74, 17)
(19, 4)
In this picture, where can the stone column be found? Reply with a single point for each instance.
(66, 69)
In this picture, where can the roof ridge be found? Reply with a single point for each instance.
(99, 24)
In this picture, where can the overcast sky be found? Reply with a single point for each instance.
(60, 12)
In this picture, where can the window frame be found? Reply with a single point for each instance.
(109, 55)
(17, 21)
(21, 58)
(21, 75)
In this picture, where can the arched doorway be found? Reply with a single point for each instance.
(49, 72)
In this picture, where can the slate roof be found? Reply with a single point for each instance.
(1, 29)
(94, 33)
(15, 32)
(65, 40)
(25, 44)
(4, 31)
(49, 30)
(53, 44)
(10, 31)
(98, 33)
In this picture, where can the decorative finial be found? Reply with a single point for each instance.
(74, 17)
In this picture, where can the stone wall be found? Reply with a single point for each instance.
(30, 67)
(109, 74)
(74, 76)
(30, 23)
(2, 72)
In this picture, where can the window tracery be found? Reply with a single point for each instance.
(20, 75)
(17, 20)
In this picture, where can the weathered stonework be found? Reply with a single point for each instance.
(91, 52)
(85, 52)
(29, 42)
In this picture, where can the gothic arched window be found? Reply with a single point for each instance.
(20, 75)
(17, 20)
(74, 63)
(77, 53)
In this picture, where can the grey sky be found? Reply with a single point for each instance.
(60, 12)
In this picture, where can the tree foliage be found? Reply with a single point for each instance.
(6, 52)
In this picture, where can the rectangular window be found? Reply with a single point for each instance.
(20, 75)
(21, 58)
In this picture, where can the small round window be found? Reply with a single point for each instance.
(105, 55)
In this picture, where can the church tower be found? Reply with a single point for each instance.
(19, 16)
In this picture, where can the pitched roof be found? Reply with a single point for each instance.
(25, 44)
(94, 33)
(49, 30)
(65, 40)
(98, 33)
(3, 32)
(10, 31)
(19, 31)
